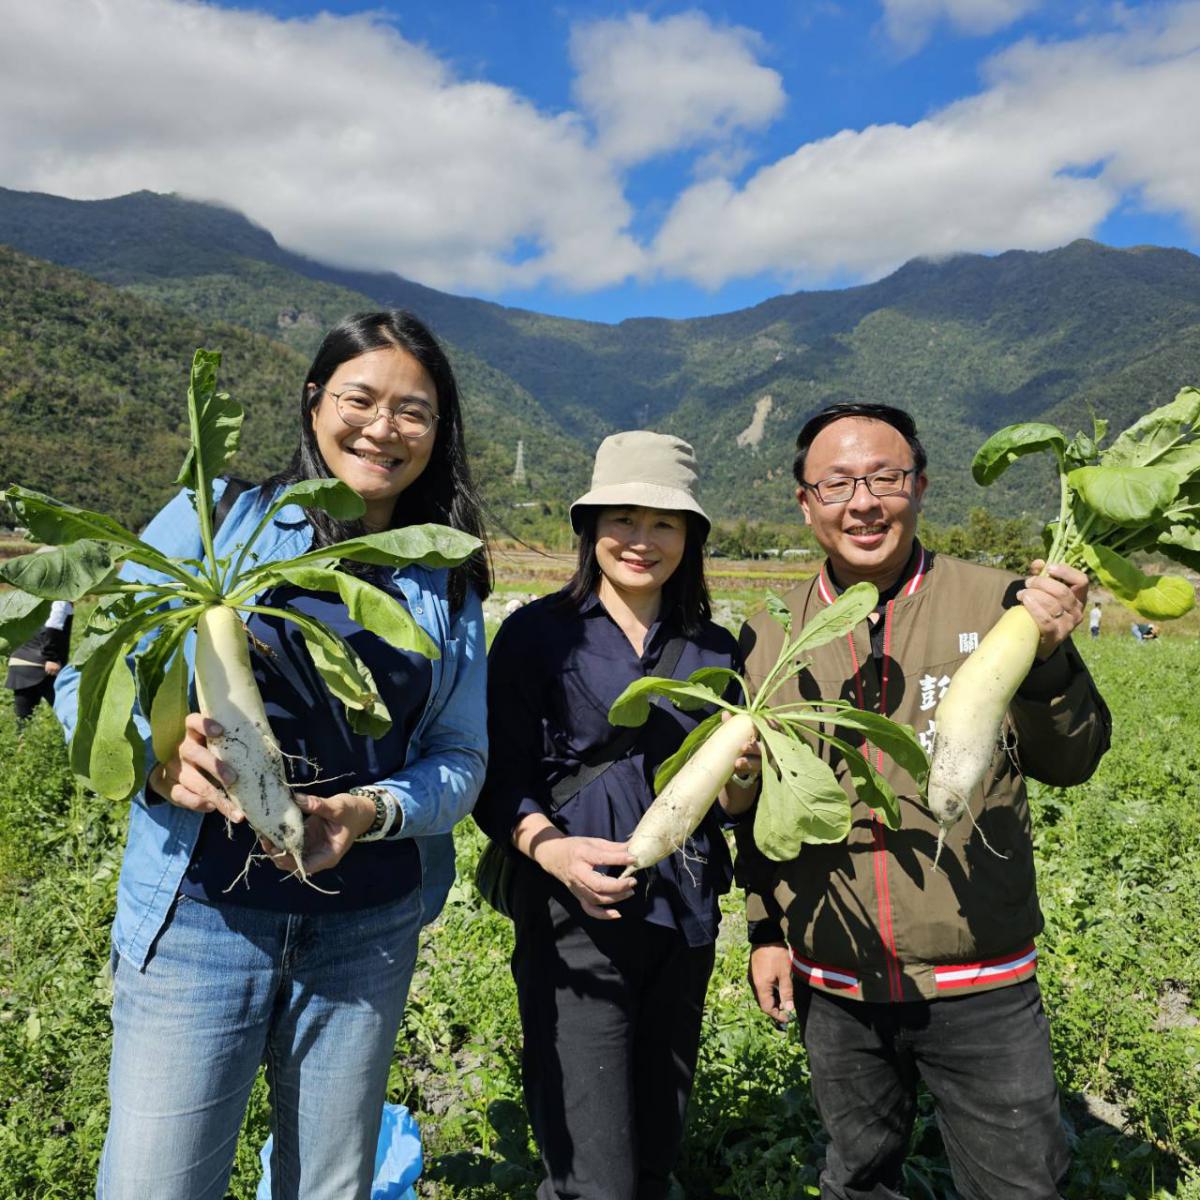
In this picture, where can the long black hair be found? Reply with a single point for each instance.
(443, 493)
(684, 596)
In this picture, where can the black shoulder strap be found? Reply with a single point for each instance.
(616, 749)
(233, 489)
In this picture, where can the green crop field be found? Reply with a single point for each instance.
(1119, 866)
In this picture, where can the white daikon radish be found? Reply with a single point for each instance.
(672, 818)
(970, 714)
(228, 693)
(802, 799)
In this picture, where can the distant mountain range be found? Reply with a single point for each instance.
(967, 345)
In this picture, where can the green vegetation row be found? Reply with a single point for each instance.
(1119, 871)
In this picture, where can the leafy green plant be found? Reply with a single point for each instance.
(1142, 493)
(802, 799)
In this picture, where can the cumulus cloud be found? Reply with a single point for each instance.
(909, 22)
(357, 146)
(345, 140)
(654, 86)
(1061, 134)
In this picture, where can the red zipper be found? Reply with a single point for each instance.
(883, 894)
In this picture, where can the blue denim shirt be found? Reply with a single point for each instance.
(447, 753)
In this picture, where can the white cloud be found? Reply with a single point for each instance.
(909, 22)
(655, 86)
(346, 141)
(1062, 134)
(358, 147)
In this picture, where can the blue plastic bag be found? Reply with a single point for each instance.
(397, 1158)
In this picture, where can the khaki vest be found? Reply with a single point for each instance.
(870, 918)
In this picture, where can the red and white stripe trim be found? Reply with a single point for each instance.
(918, 575)
(822, 976)
(826, 592)
(994, 970)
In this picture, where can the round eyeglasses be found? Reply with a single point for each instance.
(360, 409)
(838, 489)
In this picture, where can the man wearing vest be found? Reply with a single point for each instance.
(897, 971)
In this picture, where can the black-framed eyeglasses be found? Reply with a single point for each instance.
(838, 489)
(360, 409)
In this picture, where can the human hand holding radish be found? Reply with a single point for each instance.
(770, 978)
(573, 861)
(189, 778)
(331, 826)
(1056, 600)
(742, 789)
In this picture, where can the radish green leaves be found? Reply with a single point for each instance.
(1141, 494)
(803, 800)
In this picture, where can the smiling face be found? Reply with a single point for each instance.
(375, 460)
(868, 537)
(639, 549)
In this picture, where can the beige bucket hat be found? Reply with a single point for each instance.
(651, 470)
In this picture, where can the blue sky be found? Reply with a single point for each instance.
(604, 160)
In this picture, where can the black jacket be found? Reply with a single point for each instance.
(49, 644)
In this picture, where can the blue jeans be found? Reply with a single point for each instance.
(318, 999)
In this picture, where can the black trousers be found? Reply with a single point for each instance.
(611, 1015)
(26, 699)
(986, 1060)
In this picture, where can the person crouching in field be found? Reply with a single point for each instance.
(898, 971)
(611, 974)
(220, 964)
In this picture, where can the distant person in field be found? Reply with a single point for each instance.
(33, 667)
(223, 964)
(897, 972)
(610, 974)
(1094, 620)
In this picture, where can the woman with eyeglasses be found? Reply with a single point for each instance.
(219, 966)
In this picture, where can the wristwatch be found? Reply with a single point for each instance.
(386, 812)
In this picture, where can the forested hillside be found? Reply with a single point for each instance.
(967, 344)
(93, 382)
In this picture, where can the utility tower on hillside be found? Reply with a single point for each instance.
(518, 475)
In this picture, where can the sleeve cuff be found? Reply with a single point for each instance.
(759, 933)
(736, 820)
(1048, 678)
(396, 832)
(498, 817)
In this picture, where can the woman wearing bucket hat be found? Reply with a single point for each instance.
(610, 974)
